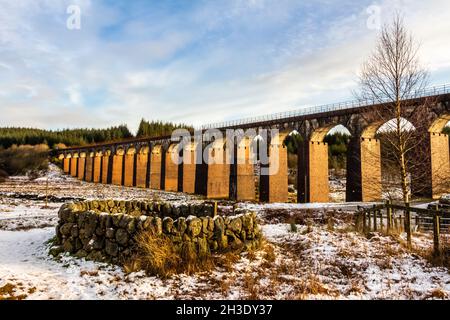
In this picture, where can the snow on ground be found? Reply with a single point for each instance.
(315, 260)
(351, 266)
(63, 186)
(22, 214)
(297, 206)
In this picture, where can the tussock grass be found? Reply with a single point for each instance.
(312, 285)
(157, 255)
(227, 260)
(250, 286)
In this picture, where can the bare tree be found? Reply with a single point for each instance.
(390, 77)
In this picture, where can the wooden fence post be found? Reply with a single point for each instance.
(389, 216)
(364, 227)
(408, 225)
(436, 233)
(380, 211)
(374, 218)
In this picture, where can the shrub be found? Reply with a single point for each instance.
(26, 159)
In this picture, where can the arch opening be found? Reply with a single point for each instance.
(386, 133)
(340, 177)
(322, 166)
(292, 142)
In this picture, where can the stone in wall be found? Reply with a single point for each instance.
(106, 230)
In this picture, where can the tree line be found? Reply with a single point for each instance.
(337, 151)
(10, 136)
(158, 128)
(70, 137)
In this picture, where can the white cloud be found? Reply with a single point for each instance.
(52, 77)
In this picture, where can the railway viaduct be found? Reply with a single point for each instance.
(147, 162)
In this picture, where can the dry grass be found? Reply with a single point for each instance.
(355, 288)
(93, 273)
(439, 260)
(226, 260)
(8, 292)
(437, 293)
(157, 255)
(250, 286)
(312, 285)
(269, 252)
(225, 285)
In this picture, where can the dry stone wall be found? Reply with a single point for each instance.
(107, 230)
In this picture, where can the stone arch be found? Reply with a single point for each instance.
(74, 164)
(155, 167)
(439, 152)
(317, 165)
(172, 167)
(107, 156)
(370, 158)
(293, 141)
(313, 183)
(143, 166)
(218, 175)
(313, 178)
(89, 166)
(117, 166)
(273, 184)
(245, 171)
(97, 163)
(66, 162)
(241, 153)
(82, 165)
(373, 157)
(129, 166)
(189, 166)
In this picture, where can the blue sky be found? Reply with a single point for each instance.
(193, 61)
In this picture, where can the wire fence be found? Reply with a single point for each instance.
(397, 218)
(428, 92)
